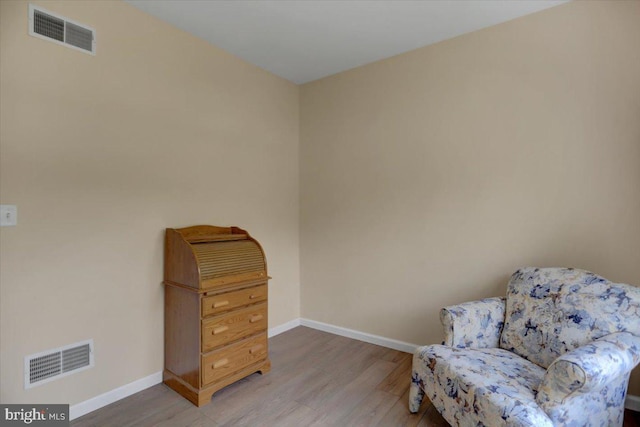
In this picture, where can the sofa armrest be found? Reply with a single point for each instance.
(589, 367)
(476, 324)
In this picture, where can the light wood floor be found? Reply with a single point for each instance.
(317, 379)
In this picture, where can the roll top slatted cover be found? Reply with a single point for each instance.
(205, 257)
(228, 258)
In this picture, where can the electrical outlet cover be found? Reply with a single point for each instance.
(8, 215)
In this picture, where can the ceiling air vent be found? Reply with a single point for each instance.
(58, 29)
(57, 363)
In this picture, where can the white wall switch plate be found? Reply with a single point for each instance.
(8, 215)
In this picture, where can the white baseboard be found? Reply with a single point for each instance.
(284, 327)
(632, 403)
(82, 408)
(361, 336)
(114, 395)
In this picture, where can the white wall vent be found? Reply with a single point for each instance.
(49, 365)
(58, 29)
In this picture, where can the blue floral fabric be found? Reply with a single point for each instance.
(476, 324)
(557, 352)
(593, 376)
(554, 310)
(473, 387)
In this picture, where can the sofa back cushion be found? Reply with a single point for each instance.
(550, 311)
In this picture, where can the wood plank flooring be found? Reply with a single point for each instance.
(317, 379)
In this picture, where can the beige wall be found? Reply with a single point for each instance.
(427, 178)
(100, 154)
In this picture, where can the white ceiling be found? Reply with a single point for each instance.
(306, 40)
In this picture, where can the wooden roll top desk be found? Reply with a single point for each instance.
(215, 309)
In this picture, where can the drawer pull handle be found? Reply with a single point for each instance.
(255, 348)
(255, 318)
(253, 296)
(220, 304)
(219, 330)
(220, 363)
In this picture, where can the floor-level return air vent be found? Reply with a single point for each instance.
(49, 365)
(58, 29)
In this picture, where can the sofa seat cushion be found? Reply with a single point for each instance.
(475, 387)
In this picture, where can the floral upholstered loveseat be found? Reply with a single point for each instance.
(557, 351)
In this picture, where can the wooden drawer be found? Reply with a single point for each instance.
(228, 360)
(223, 302)
(220, 330)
